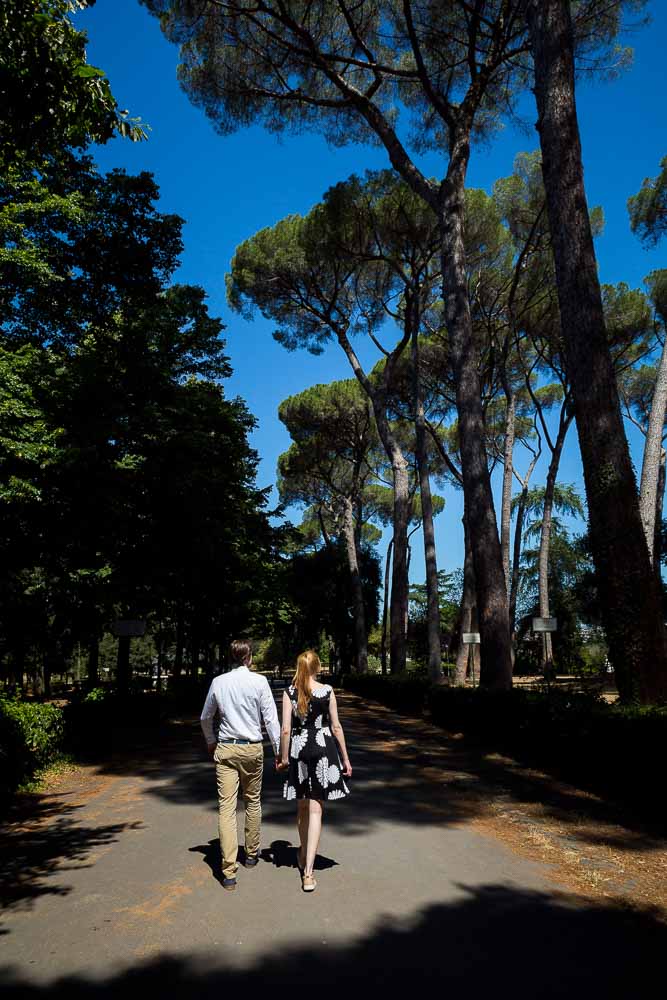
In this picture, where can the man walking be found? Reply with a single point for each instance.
(242, 700)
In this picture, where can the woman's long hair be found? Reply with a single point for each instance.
(307, 666)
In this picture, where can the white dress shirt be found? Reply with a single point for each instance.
(242, 699)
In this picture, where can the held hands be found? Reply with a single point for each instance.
(281, 765)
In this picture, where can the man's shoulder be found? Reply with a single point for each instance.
(260, 680)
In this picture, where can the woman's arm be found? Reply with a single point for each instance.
(286, 730)
(337, 730)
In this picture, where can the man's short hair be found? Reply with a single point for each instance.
(240, 651)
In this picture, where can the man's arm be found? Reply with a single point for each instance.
(206, 719)
(270, 716)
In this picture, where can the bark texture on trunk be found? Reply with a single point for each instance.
(628, 587)
(398, 605)
(432, 597)
(657, 529)
(492, 604)
(506, 506)
(385, 607)
(360, 638)
(652, 461)
(516, 556)
(545, 535)
(467, 610)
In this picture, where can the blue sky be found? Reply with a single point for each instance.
(228, 188)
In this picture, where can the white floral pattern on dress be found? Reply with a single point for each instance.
(336, 794)
(323, 772)
(299, 741)
(321, 735)
(334, 774)
(289, 792)
(303, 772)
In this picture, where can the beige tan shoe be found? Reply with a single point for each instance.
(308, 883)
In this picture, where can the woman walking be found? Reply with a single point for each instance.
(314, 753)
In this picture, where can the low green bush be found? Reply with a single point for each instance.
(608, 749)
(31, 737)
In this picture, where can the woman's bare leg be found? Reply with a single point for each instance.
(302, 827)
(314, 831)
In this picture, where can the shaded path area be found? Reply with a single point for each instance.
(444, 869)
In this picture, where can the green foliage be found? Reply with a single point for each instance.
(50, 96)
(315, 587)
(648, 208)
(31, 736)
(98, 694)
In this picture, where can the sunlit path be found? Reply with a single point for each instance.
(121, 871)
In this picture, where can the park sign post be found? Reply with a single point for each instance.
(545, 625)
(471, 639)
(125, 630)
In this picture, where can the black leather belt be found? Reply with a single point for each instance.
(241, 742)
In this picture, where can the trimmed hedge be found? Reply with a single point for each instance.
(31, 736)
(609, 749)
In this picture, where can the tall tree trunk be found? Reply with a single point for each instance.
(516, 556)
(467, 609)
(94, 662)
(545, 534)
(385, 607)
(432, 597)
(506, 505)
(360, 637)
(628, 588)
(402, 501)
(398, 608)
(657, 528)
(652, 461)
(496, 660)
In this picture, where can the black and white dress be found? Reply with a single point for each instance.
(315, 769)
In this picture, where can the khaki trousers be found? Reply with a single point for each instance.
(238, 764)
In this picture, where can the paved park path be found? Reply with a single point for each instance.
(111, 883)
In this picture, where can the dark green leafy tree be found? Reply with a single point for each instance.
(648, 208)
(328, 468)
(325, 277)
(51, 98)
(128, 484)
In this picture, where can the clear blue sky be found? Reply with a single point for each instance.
(227, 188)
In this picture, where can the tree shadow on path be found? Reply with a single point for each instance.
(493, 941)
